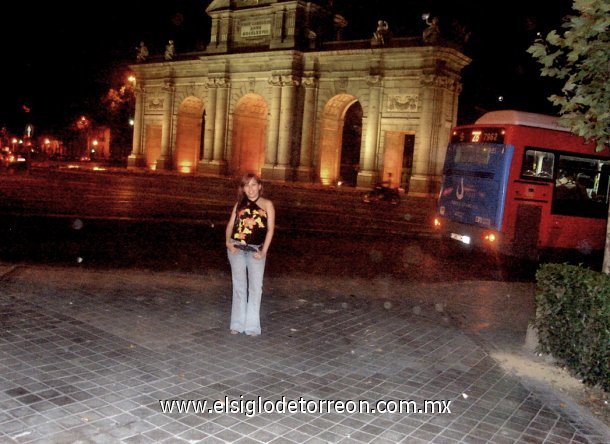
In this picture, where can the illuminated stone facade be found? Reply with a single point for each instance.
(276, 92)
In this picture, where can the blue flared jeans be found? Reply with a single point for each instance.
(247, 277)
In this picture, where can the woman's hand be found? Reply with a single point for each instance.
(231, 247)
(259, 255)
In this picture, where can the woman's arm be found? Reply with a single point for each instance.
(229, 230)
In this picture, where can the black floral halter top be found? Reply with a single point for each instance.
(250, 225)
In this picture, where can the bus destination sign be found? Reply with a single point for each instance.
(478, 135)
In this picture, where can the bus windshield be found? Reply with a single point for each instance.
(474, 183)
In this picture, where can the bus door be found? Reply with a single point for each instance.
(474, 184)
(527, 213)
(527, 230)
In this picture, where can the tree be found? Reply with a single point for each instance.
(118, 108)
(580, 56)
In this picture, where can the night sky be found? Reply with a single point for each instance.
(61, 57)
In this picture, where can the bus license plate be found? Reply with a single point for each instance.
(462, 238)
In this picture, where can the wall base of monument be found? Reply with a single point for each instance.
(212, 167)
(366, 179)
(427, 185)
(277, 172)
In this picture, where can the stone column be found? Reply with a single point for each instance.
(136, 158)
(274, 126)
(427, 135)
(214, 32)
(277, 31)
(305, 169)
(457, 90)
(214, 137)
(284, 145)
(166, 161)
(219, 34)
(367, 174)
(450, 95)
(220, 121)
(210, 120)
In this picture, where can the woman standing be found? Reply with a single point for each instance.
(248, 236)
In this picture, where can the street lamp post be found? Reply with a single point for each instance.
(47, 148)
(94, 143)
(83, 124)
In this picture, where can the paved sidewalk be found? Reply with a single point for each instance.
(86, 355)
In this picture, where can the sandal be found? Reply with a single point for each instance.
(234, 332)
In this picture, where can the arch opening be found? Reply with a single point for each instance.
(189, 131)
(340, 139)
(250, 123)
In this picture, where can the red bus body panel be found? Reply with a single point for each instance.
(526, 195)
(556, 231)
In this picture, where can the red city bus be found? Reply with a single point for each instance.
(518, 184)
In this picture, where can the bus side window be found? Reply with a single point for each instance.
(582, 187)
(538, 164)
(601, 184)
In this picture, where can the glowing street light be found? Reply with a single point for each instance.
(82, 123)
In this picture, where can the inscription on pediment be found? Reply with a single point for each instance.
(255, 28)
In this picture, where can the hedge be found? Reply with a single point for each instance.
(573, 319)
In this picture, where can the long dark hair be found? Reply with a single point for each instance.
(242, 199)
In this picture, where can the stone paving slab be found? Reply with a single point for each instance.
(86, 355)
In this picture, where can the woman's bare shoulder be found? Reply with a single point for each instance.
(265, 203)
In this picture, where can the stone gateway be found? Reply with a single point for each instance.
(278, 92)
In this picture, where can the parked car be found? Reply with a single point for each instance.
(13, 161)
